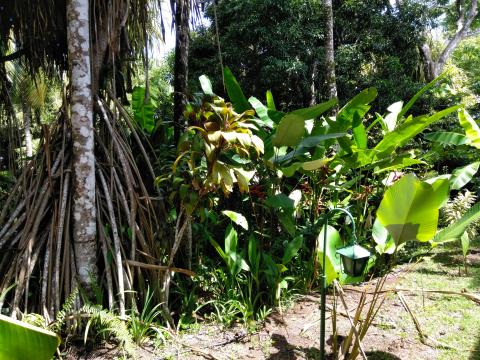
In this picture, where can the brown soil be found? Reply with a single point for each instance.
(294, 334)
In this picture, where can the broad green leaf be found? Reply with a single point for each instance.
(235, 93)
(384, 241)
(359, 105)
(311, 141)
(472, 131)
(456, 230)
(237, 218)
(447, 138)
(462, 176)
(286, 220)
(143, 110)
(315, 164)
(290, 131)
(291, 128)
(261, 111)
(314, 111)
(270, 101)
(21, 341)
(292, 249)
(409, 210)
(441, 188)
(398, 162)
(415, 97)
(360, 136)
(231, 240)
(403, 133)
(280, 201)
(289, 171)
(206, 85)
(333, 265)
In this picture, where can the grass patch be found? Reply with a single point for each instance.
(450, 319)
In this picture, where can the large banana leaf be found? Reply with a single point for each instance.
(472, 130)
(403, 133)
(359, 105)
(409, 210)
(462, 176)
(415, 97)
(291, 128)
(22, 341)
(456, 230)
(262, 111)
(447, 138)
(290, 131)
(384, 241)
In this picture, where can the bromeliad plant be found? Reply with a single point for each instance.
(218, 143)
(214, 151)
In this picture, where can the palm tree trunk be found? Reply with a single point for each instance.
(330, 80)
(27, 119)
(84, 224)
(182, 13)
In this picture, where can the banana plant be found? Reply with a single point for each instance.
(20, 341)
(409, 212)
(409, 209)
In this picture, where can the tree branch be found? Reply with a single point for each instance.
(473, 33)
(13, 56)
(459, 35)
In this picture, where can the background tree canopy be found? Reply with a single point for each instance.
(275, 44)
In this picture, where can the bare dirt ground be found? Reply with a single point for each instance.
(451, 322)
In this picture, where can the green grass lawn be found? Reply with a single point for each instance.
(449, 319)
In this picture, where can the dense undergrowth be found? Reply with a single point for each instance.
(248, 188)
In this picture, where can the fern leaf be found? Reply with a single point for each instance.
(66, 309)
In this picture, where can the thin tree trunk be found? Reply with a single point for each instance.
(182, 13)
(84, 216)
(313, 87)
(330, 80)
(27, 119)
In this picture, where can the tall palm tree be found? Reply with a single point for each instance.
(81, 103)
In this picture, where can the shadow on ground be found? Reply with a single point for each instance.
(454, 260)
(381, 355)
(286, 351)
